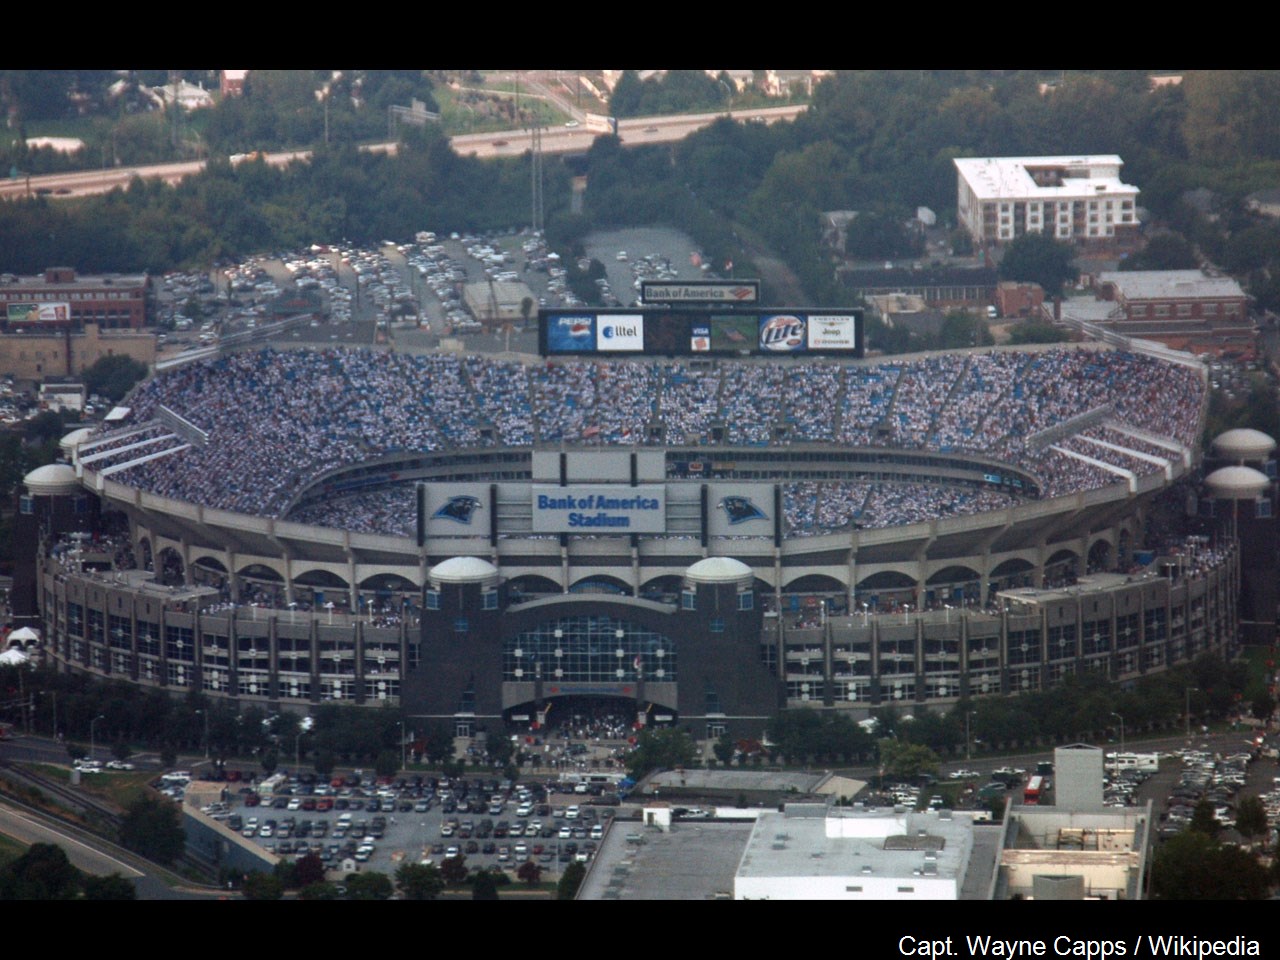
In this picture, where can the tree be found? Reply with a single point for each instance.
(1036, 258)
(262, 886)
(1203, 819)
(1167, 251)
(438, 746)
(307, 871)
(319, 891)
(660, 750)
(270, 760)
(485, 886)
(906, 760)
(153, 828)
(454, 870)
(1037, 332)
(121, 750)
(723, 749)
(570, 881)
(370, 885)
(387, 763)
(1194, 866)
(418, 881)
(1251, 818)
(113, 376)
(76, 751)
(42, 873)
(112, 887)
(530, 873)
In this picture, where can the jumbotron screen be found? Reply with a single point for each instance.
(683, 332)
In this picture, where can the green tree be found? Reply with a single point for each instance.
(1036, 258)
(723, 748)
(1203, 820)
(1251, 818)
(307, 871)
(906, 760)
(660, 750)
(387, 763)
(418, 881)
(454, 870)
(319, 891)
(1166, 251)
(485, 886)
(111, 887)
(42, 873)
(1193, 866)
(262, 886)
(530, 873)
(152, 827)
(113, 376)
(121, 750)
(370, 885)
(570, 881)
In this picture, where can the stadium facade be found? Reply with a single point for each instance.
(662, 575)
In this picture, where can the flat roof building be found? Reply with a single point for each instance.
(813, 851)
(1068, 198)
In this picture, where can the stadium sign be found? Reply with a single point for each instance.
(38, 312)
(599, 508)
(688, 331)
(744, 292)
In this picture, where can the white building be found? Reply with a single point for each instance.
(1069, 198)
(812, 851)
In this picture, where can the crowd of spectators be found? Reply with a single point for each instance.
(277, 421)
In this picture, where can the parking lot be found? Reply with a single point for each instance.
(362, 824)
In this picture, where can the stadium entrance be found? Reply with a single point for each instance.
(588, 718)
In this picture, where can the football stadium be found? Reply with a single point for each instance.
(696, 538)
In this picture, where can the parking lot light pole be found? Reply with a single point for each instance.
(1188, 713)
(968, 740)
(1121, 719)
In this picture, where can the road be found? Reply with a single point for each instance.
(641, 130)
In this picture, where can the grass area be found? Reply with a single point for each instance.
(457, 116)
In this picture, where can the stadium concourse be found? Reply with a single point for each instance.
(271, 494)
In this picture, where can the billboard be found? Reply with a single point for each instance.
(456, 509)
(688, 331)
(620, 332)
(38, 312)
(744, 292)
(599, 508)
(570, 332)
(833, 331)
(782, 333)
(740, 510)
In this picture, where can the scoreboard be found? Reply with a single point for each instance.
(692, 332)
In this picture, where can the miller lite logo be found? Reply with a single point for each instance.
(782, 333)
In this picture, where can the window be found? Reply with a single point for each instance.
(490, 600)
(1184, 309)
(716, 625)
(688, 600)
(746, 601)
(433, 600)
(461, 625)
(1162, 310)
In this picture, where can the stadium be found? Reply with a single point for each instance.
(695, 540)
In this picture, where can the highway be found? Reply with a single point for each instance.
(559, 139)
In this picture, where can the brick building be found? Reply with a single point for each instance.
(61, 297)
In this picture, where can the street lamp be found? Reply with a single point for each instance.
(92, 738)
(1188, 711)
(968, 740)
(1121, 719)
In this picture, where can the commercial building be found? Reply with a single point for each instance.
(813, 851)
(60, 298)
(1078, 198)
(1189, 299)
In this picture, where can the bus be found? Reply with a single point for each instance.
(1031, 794)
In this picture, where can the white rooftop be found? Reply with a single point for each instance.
(1165, 284)
(1006, 178)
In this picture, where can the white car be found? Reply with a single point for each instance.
(964, 775)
